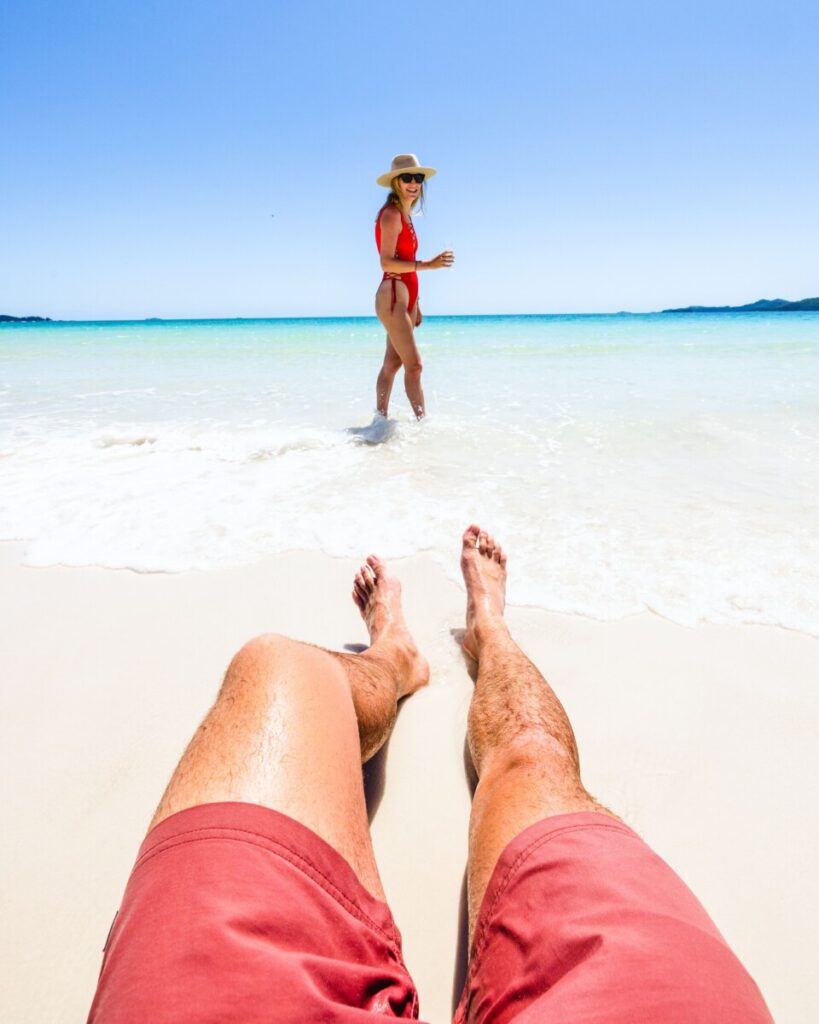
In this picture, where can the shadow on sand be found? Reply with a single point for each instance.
(374, 771)
(461, 965)
(375, 780)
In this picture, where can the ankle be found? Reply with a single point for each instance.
(393, 658)
(490, 631)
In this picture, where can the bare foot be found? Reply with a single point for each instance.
(483, 563)
(378, 596)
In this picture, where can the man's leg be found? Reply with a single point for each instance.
(572, 916)
(293, 723)
(520, 739)
(239, 907)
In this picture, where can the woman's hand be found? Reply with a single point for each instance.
(443, 259)
(418, 318)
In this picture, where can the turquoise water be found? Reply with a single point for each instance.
(668, 462)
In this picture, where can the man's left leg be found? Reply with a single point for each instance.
(278, 754)
(293, 724)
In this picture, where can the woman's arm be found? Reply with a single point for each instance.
(443, 259)
(390, 230)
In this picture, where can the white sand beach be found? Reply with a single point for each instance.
(703, 739)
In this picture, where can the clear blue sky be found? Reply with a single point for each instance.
(592, 156)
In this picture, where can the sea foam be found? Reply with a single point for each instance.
(627, 463)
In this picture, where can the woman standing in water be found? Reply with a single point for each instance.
(396, 301)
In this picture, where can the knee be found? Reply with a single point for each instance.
(530, 753)
(529, 781)
(257, 655)
(413, 368)
(391, 366)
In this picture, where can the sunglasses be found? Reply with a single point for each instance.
(417, 178)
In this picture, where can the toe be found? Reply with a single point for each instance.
(470, 537)
(375, 563)
(482, 542)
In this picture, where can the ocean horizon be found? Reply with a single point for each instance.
(629, 461)
(36, 321)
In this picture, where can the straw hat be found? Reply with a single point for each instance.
(404, 163)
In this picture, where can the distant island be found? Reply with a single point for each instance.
(5, 319)
(762, 306)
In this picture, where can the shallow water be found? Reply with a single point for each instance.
(627, 462)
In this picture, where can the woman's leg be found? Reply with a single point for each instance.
(398, 322)
(386, 376)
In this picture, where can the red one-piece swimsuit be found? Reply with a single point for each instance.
(405, 249)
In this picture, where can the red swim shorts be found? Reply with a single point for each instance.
(236, 913)
(583, 924)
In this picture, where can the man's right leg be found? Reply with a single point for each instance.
(572, 917)
(520, 738)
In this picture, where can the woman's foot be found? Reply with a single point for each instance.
(378, 596)
(483, 564)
